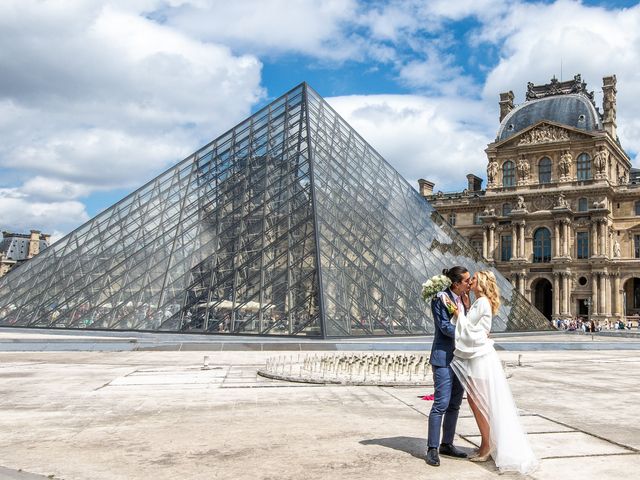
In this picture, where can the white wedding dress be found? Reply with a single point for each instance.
(479, 369)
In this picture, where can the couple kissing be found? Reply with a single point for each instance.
(463, 359)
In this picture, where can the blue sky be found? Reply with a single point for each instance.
(99, 96)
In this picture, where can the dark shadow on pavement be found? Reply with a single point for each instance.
(412, 445)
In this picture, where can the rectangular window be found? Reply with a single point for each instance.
(582, 242)
(452, 219)
(477, 245)
(636, 246)
(505, 251)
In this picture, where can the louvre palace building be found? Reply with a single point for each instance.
(560, 214)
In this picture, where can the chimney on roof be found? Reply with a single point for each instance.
(506, 103)
(609, 105)
(475, 183)
(426, 187)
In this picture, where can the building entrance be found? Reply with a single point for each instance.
(542, 296)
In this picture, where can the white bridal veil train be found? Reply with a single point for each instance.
(479, 369)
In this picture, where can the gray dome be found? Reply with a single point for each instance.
(573, 110)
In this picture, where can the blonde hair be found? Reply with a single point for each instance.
(488, 287)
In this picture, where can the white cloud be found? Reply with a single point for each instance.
(592, 41)
(312, 27)
(93, 95)
(439, 139)
(21, 213)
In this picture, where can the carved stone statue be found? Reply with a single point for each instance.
(566, 160)
(616, 249)
(523, 170)
(600, 160)
(521, 205)
(492, 171)
(561, 201)
(489, 212)
(601, 204)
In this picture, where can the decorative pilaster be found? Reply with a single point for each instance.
(492, 244)
(594, 293)
(603, 237)
(617, 296)
(565, 238)
(514, 241)
(556, 234)
(521, 253)
(602, 291)
(556, 294)
(485, 246)
(565, 293)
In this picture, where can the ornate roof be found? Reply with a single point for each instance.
(567, 103)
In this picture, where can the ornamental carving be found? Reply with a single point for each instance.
(566, 160)
(544, 134)
(600, 160)
(492, 171)
(542, 202)
(523, 170)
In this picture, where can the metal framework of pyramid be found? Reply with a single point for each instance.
(288, 224)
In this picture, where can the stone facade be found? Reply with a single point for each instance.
(560, 215)
(15, 248)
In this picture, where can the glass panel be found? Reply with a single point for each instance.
(541, 246)
(544, 170)
(582, 240)
(508, 174)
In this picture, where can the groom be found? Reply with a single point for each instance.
(448, 389)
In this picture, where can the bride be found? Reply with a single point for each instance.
(478, 367)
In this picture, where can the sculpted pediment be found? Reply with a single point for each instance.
(545, 132)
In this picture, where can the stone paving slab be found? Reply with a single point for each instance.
(141, 415)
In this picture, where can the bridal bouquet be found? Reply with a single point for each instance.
(433, 286)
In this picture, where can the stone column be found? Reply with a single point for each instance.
(514, 241)
(617, 298)
(608, 309)
(603, 237)
(521, 253)
(594, 238)
(556, 295)
(556, 234)
(602, 291)
(565, 293)
(492, 244)
(594, 293)
(485, 248)
(565, 238)
(522, 283)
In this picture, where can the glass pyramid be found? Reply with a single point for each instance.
(288, 224)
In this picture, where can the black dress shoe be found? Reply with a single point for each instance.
(449, 450)
(433, 458)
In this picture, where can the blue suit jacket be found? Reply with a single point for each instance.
(443, 338)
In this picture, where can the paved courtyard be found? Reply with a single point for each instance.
(158, 414)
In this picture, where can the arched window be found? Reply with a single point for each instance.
(506, 209)
(583, 204)
(584, 166)
(508, 174)
(541, 246)
(544, 170)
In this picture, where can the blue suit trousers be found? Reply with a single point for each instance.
(448, 392)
